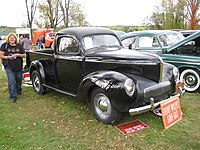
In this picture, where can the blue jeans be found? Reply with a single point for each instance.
(14, 82)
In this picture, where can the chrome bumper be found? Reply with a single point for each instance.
(152, 106)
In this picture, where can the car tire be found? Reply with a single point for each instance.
(37, 83)
(102, 107)
(191, 79)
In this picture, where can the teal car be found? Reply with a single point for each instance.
(172, 47)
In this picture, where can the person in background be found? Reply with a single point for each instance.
(2, 67)
(12, 54)
(27, 43)
(39, 42)
(21, 40)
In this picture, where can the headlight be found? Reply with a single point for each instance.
(129, 86)
(176, 73)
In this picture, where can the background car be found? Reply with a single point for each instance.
(187, 32)
(119, 32)
(173, 48)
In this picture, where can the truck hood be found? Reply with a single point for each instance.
(125, 54)
(184, 41)
(129, 61)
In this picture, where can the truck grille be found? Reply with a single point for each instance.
(158, 92)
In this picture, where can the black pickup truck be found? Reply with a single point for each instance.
(90, 63)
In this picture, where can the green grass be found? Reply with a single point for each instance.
(58, 122)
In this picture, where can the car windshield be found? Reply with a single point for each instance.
(170, 39)
(95, 41)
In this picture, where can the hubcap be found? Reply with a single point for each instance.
(36, 83)
(102, 105)
(190, 80)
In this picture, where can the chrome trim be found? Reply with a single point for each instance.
(161, 68)
(152, 106)
(66, 93)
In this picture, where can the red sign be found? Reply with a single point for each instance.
(132, 126)
(171, 111)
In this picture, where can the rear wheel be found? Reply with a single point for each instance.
(103, 109)
(191, 80)
(37, 83)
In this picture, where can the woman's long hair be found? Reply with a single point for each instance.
(12, 34)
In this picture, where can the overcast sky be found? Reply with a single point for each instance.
(98, 12)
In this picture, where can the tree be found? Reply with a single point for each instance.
(49, 13)
(156, 21)
(61, 12)
(31, 9)
(180, 17)
(170, 15)
(76, 16)
(193, 16)
(65, 11)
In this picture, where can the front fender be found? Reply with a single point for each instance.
(183, 67)
(106, 80)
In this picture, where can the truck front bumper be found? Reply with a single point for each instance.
(153, 105)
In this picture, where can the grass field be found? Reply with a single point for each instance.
(58, 122)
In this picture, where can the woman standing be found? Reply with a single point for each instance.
(12, 54)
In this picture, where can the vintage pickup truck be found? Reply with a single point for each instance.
(90, 63)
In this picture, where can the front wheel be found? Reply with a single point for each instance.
(103, 109)
(37, 83)
(191, 80)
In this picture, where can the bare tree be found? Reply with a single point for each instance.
(31, 9)
(193, 16)
(53, 12)
(65, 11)
(76, 16)
(61, 12)
(50, 12)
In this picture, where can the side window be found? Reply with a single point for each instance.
(155, 42)
(68, 45)
(129, 41)
(146, 41)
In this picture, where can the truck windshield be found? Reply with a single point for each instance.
(94, 41)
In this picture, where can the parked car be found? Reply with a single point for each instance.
(119, 32)
(187, 32)
(173, 48)
(90, 63)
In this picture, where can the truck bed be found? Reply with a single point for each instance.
(51, 51)
(39, 55)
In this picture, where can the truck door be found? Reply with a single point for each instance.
(68, 63)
